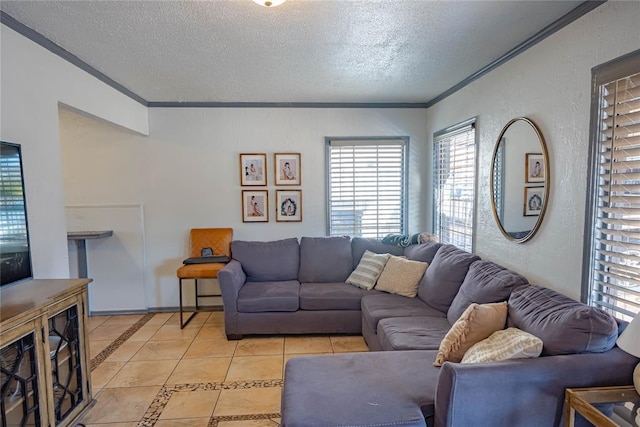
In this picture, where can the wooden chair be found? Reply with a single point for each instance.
(219, 240)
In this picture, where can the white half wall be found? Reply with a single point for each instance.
(550, 84)
(186, 174)
(34, 82)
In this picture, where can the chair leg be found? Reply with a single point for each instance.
(183, 324)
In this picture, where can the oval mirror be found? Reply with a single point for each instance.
(519, 180)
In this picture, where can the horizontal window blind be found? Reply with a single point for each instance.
(454, 186)
(12, 211)
(367, 187)
(615, 279)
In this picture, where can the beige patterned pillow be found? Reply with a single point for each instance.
(368, 270)
(401, 276)
(476, 323)
(510, 343)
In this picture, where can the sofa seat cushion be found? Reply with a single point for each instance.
(564, 325)
(412, 333)
(383, 388)
(268, 261)
(382, 306)
(325, 259)
(258, 297)
(486, 282)
(329, 296)
(445, 275)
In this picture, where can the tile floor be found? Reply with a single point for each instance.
(146, 371)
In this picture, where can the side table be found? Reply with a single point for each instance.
(581, 400)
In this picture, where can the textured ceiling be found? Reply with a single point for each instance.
(376, 51)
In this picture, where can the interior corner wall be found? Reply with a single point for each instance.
(34, 82)
(186, 174)
(551, 84)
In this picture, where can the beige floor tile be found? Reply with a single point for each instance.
(215, 318)
(95, 321)
(186, 422)
(210, 332)
(159, 319)
(145, 333)
(260, 346)
(127, 424)
(162, 350)
(121, 405)
(173, 332)
(248, 401)
(104, 373)
(124, 319)
(190, 404)
(201, 348)
(207, 370)
(96, 346)
(198, 319)
(107, 332)
(255, 368)
(125, 352)
(307, 345)
(143, 373)
(348, 344)
(250, 423)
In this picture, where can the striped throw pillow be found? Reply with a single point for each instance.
(368, 270)
(510, 343)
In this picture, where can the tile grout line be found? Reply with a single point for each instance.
(111, 348)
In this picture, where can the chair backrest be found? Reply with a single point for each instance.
(218, 239)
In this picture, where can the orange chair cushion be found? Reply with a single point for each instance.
(200, 271)
(218, 239)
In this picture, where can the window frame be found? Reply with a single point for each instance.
(449, 132)
(601, 75)
(404, 141)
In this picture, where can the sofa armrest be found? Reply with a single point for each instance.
(523, 392)
(231, 279)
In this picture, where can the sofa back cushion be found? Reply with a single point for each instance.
(360, 244)
(564, 325)
(423, 252)
(268, 261)
(486, 282)
(325, 259)
(443, 278)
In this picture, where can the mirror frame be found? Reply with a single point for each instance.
(547, 180)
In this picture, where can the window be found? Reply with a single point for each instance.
(367, 186)
(454, 165)
(612, 251)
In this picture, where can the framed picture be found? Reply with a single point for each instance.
(534, 167)
(253, 169)
(255, 206)
(533, 198)
(289, 205)
(287, 168)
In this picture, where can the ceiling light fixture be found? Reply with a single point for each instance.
(269, 3)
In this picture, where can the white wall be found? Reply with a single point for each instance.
(186, 173)
(550, 84)
(33, 83)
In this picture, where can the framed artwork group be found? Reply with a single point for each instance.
(287, 171)
(534, 173)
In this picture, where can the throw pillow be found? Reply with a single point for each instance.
(401, 276)
(368, 270)
(510, 343)
(476, 323)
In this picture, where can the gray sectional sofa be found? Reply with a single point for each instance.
(264, 293)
